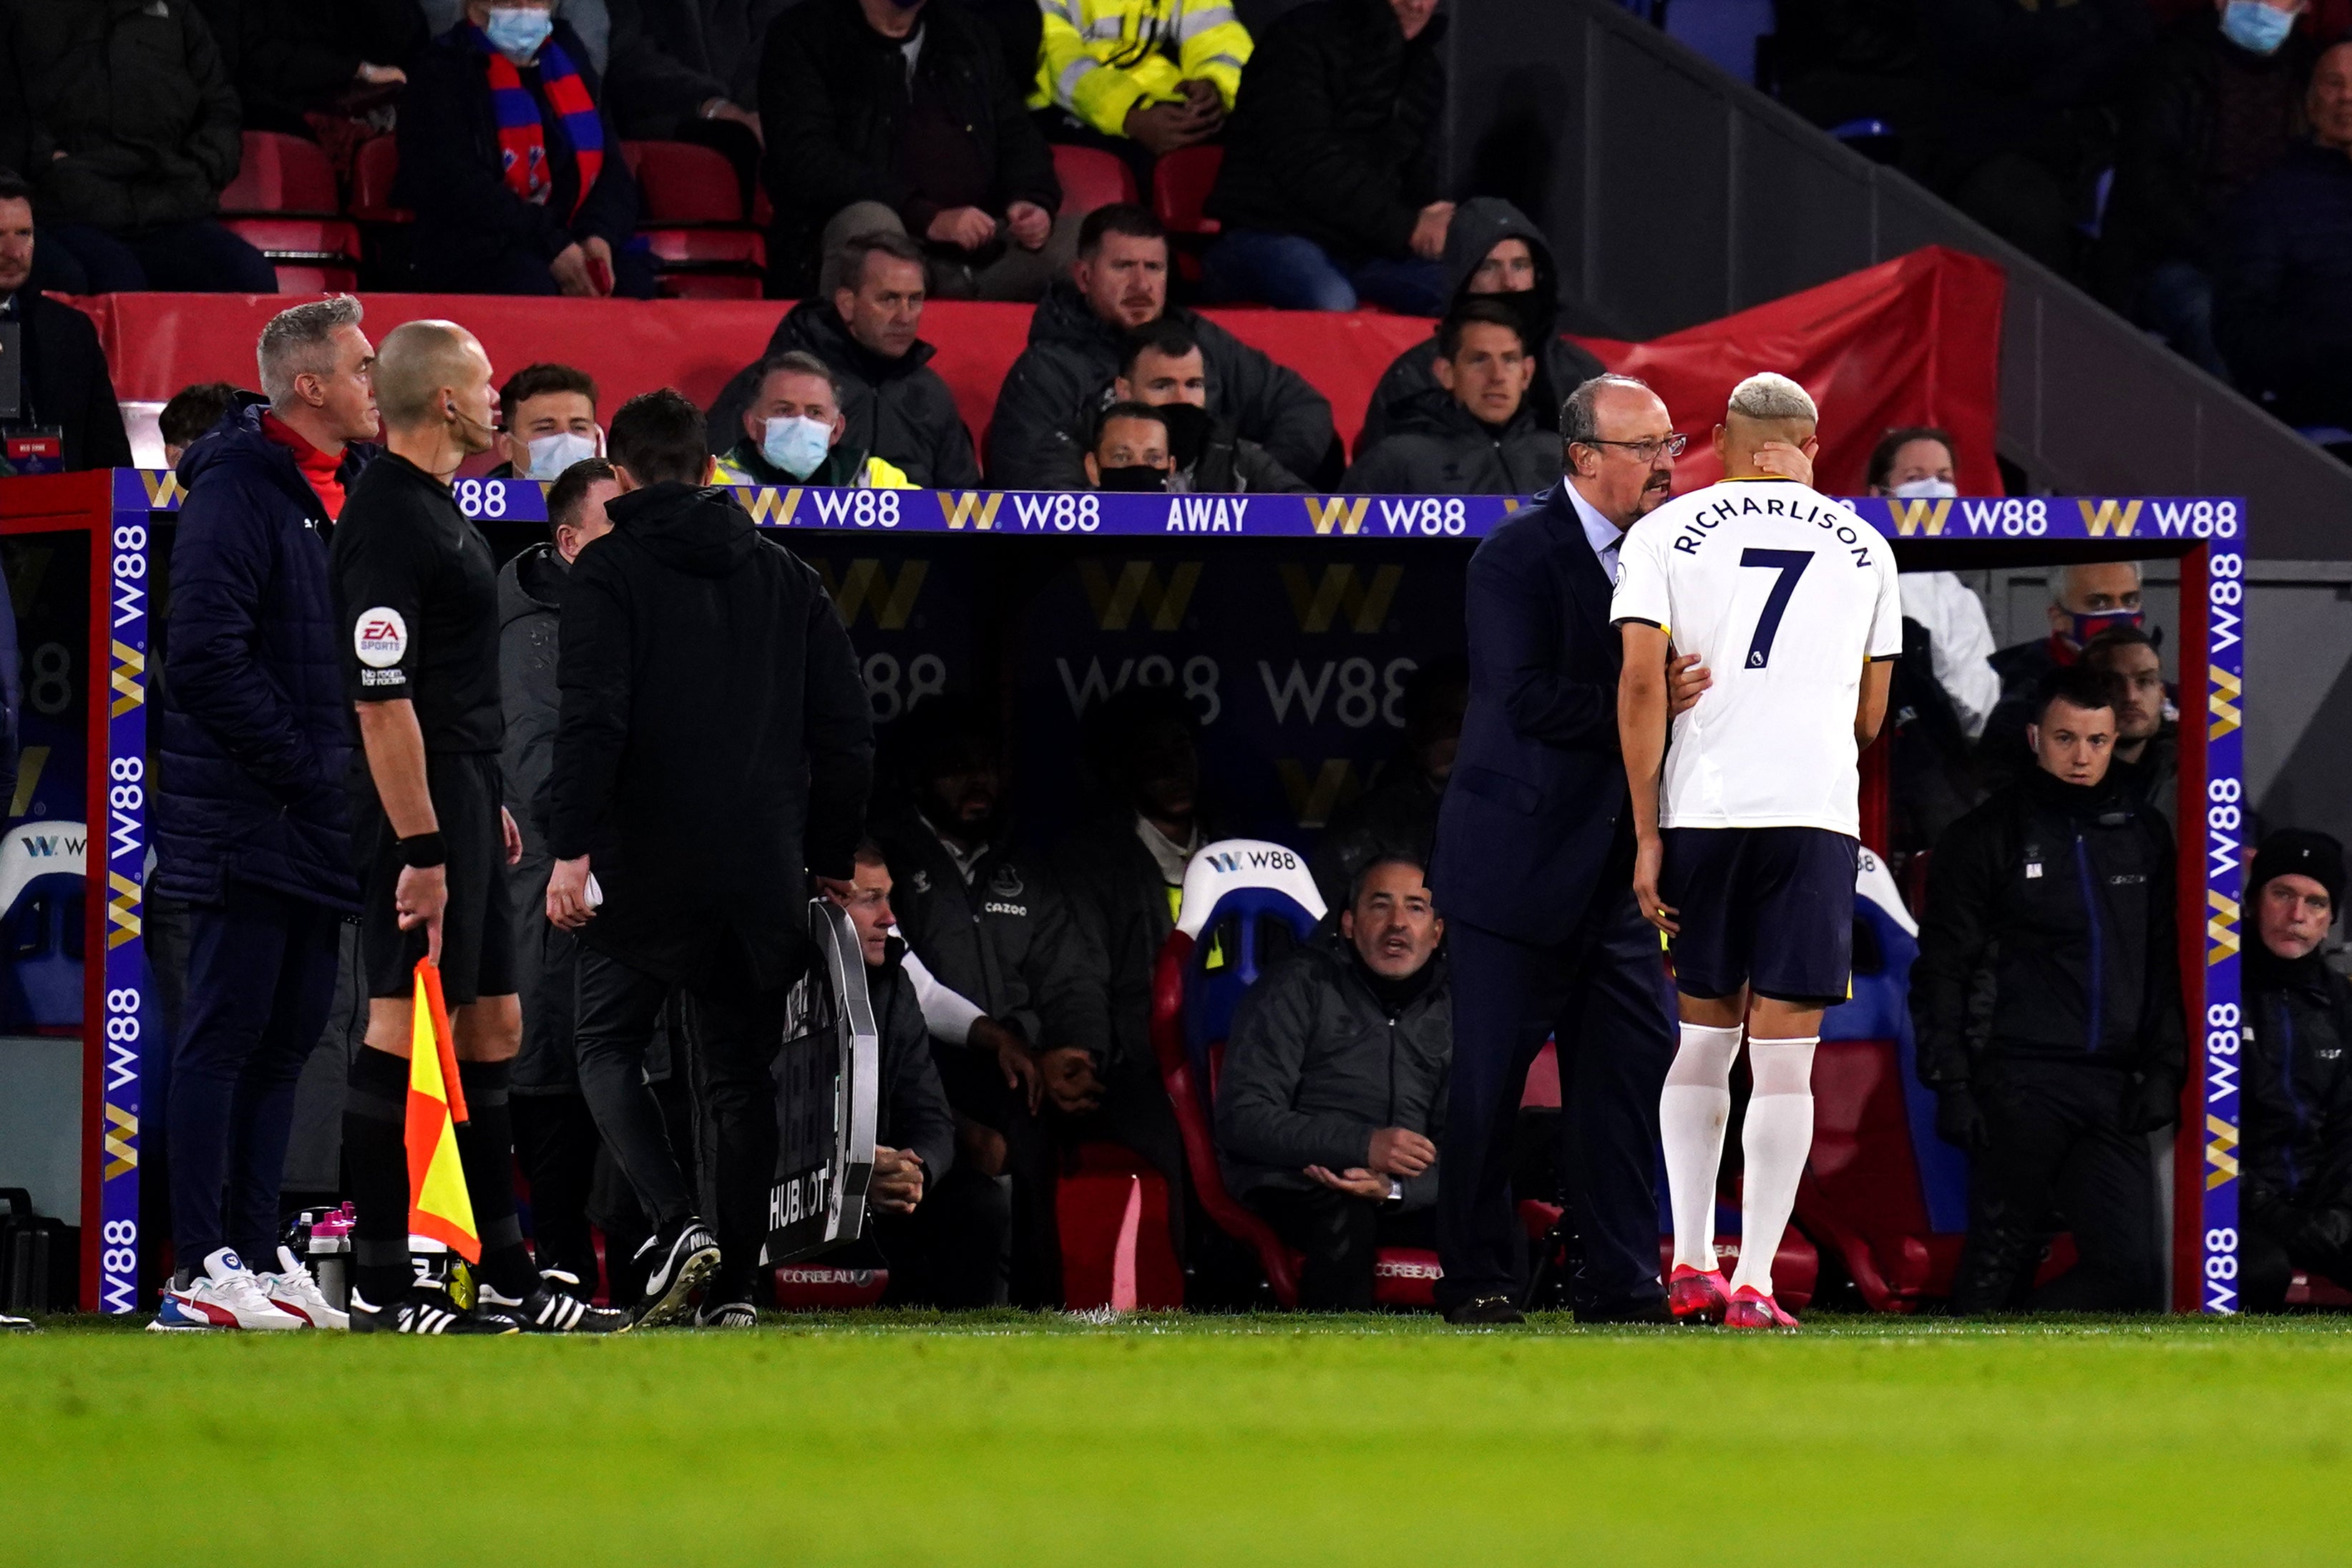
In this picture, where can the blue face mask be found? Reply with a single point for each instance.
(517, 31)
(551, 455)
(798, 444)
(2257, 29)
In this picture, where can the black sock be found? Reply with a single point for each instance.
(375, 1164)
(485, 1147)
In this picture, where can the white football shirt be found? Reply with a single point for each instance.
(1784, 594)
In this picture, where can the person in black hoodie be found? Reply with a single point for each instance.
(1491, 250)
(713, 756)
(1047, 409)
(1329, 185)
(2046, 998)
(863, 324)
(545, 207)
(1475, 434)
(1333, 1094)
(2295, 1196)
(252, 830)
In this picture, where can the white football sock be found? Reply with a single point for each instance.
(1777, 1137)
(1692, 1112)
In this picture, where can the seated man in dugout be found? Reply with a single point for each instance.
(793, 434)
(1333, 1094)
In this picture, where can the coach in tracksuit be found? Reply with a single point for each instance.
(2046, 999)
(2295, 1193)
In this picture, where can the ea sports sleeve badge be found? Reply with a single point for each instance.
(379, 639)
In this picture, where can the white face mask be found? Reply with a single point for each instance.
(551, 455)
(797, 445)
(1926, 490)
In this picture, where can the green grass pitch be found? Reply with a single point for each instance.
(1033, 1443)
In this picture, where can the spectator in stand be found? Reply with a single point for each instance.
(547, 422)
(1166, 370)
(61, 385)
(253, 831)
(1139, 77)
(289, 58)
(2214, 106)
(996, 926)
(2294, 1194)
(793, 434)
(193, 411)
(1491, 251)
(592, 19)
(1053, 395)
(688, 70)
(2148, 757)
(1333, 1094)
(940, 1228)
(556, 1139)
(1474, 434)
(883, 115)
(713, 757)
(513, 164)
(1328, 190)
(862, 323)
(1917, 464)
(130, 135)
(1130, 450)
(1398, 815)
(2283, 308)
(2047, 1002)
(2084, 600)
(2024, 98)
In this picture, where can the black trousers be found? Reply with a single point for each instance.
(951, 1251)
(556, 1142)
(1134, 1112)
(737, 1032)
(2269, 1255)
(1602, 996)
(1341, 1236)
(2060, 1159)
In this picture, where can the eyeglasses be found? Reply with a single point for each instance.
(1647, 451)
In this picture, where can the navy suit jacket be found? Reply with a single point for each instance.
(1536, 808)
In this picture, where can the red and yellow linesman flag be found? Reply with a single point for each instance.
(438, 1207)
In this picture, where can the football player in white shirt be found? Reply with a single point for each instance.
(1746, 848)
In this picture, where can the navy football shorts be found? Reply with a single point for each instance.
(1768, 908)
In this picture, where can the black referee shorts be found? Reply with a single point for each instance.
(477, 945)
(1768, 908)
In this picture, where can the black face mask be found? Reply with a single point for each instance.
(1188, 432)
(1137, 477)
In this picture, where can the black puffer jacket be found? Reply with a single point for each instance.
(715, 745)
(531, 602)
(258, 731)
(1479, 226)
(1436, 447)
(2282, 304)
(1333, 133)
(898, 410)
(1050, 397)
(2297, 1113)
(843, 125)
(1316, 1065)
(136, 97)
(2050, 934)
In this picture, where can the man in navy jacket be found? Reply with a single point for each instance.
(252, 830)
(1534, 871)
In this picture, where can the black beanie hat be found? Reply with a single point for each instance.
(2298, 852)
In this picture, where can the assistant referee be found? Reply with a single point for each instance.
(416, 597)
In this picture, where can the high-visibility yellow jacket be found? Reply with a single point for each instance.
(744, 466)
(1102, 57)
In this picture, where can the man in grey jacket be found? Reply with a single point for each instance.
(1333, 1094)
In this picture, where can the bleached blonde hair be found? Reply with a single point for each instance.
(1770, 396)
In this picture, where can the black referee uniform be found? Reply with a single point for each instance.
(416, 600)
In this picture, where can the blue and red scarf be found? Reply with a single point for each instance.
(522, 143)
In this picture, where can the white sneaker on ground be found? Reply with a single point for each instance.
(292, 1290)
(226, 1295)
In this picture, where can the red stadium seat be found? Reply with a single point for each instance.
(682, 182)
(374, 168)
(311, 256)
(1090, 1207)
(282, 173)
(1092, 178)
(1192, 1006)
(1180, 183)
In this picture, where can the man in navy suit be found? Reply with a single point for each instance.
(1534, 871)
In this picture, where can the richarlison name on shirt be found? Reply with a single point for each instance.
(1849, 528)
